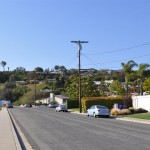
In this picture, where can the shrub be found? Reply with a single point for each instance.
(87, 102)
(140, 110)
(117, 112)
(114, 112)
(72, 104)
(132, 110)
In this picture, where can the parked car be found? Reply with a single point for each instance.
(98, 110)
(61, 107)
(9, 105)
(27, 105)
(53, 105)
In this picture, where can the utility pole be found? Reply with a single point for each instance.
(34, 91)
(79, 49)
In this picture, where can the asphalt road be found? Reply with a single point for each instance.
(46, 129)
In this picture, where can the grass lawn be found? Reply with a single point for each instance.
(0, 107)
(140, 116)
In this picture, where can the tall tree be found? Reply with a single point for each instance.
(38, 69)
(141, 75)
(88, 87)
(3, 64)
(127, 68)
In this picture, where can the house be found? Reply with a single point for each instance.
(43, 101)
(61, 99)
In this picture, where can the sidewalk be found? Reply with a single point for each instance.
(8, 137)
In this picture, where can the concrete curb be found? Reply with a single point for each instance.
(16, 140)
(143, 121)
(25, 143)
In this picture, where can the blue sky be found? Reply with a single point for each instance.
(37, 33)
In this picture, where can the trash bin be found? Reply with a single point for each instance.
(120, 106)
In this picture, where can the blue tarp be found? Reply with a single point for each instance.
(1, 102)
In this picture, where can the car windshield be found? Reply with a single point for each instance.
(63, 106)
(101, 107)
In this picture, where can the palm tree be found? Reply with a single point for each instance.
(140, 73)
(3, 64)
(127, 68)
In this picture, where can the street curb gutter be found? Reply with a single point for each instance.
(134, 120)
(143, 121)
(24, 144)
(18, 146)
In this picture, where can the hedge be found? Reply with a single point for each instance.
(72, 104)
(87, 102)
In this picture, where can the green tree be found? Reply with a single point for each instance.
(19, 74)
(38, 69)
(56, 67)
(117, 88)
(32, 75)
(103, 88)
(146, 84)
(6, 92)
(88, 87)
(127, 68)
(141, 76)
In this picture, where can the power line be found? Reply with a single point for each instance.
(118, 60)
(119, 49)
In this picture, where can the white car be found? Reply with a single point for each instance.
(61, 107)
(53, 105)
(98, 110)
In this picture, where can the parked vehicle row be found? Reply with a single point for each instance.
(95, 110)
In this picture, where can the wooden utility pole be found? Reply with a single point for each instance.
(79, 51)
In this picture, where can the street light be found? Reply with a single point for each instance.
(79, 49)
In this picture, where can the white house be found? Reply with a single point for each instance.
(141, 102)
(61, 99)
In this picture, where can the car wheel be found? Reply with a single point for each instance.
(87, 114)
(94, 114)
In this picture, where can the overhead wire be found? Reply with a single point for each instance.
(122, 60)
(113, 51)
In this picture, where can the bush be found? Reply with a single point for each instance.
(132, 110)
(140, 110)
(87, 102)
(117, 112)
(72, 104)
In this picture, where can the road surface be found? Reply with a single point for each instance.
(46, 129)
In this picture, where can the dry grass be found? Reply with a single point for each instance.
(117, 112)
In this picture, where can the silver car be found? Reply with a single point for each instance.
(98, 110)
(61, 107)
